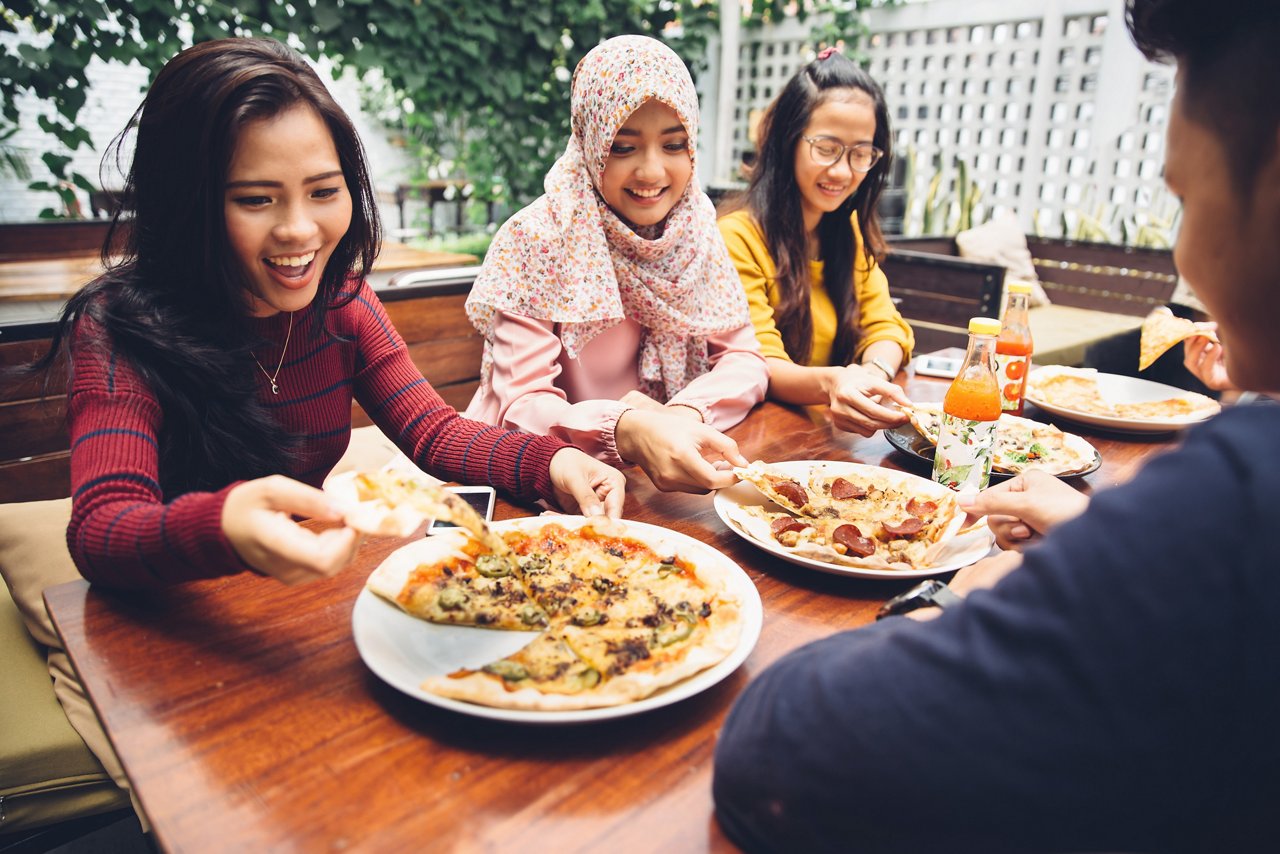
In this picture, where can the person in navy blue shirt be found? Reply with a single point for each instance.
(1112, 686)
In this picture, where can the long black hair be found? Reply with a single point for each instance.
(175, 303)
(773, 198)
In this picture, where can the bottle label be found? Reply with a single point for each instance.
(962, 460)
(1011, 373)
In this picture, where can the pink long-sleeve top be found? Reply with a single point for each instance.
(536, 386)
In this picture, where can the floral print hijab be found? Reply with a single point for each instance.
(567, 258)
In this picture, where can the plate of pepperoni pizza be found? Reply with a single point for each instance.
(852, 519)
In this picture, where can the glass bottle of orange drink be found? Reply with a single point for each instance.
(970, 411)
(1013, 349)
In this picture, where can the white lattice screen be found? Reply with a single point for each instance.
(1048, 103)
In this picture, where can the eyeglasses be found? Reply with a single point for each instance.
(826, 151)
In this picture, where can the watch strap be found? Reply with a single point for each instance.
(931, 593)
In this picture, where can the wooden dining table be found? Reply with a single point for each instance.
(247, 721)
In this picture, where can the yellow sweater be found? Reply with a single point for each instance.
(878, 319)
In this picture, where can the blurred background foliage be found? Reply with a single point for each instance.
(475, 91)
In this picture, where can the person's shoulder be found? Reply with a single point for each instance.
(1232, 456)
(739, 222)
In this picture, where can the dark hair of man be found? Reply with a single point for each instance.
(175, 304)
(773, 198)
(1228, 62)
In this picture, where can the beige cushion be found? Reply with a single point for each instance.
(49, 775)
(1001, 241)
(33, 556)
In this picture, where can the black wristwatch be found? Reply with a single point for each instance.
(931, 593)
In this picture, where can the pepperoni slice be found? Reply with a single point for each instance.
(916, 507)
(785, 523)
(909, 527)
(842, 489)
(851, 538)
(792, 491)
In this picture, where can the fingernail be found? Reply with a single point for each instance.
(966, 499)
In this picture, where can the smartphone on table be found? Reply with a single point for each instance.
(937, 366)
(481, 499)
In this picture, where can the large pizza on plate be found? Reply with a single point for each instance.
(621, 614)
(861, 516)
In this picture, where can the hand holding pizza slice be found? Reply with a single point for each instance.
(1161, 330)
(392, 503)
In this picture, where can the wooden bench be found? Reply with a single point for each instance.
(1100, 293)
(426, 307)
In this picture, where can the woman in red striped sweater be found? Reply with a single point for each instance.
(213, 367)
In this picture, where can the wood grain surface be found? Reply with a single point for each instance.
(247, 721)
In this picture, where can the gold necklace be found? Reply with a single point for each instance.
(275, 389)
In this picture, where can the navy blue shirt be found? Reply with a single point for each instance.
(1117, 692)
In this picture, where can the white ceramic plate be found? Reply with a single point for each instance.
(961, 550)
(403, 650)
(1116, 388)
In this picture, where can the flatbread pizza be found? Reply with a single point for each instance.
(619, 616)
(876, 521)
(1077, 389)
(1021, 444)
(1161, 330)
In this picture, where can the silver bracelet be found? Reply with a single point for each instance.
(889, 373)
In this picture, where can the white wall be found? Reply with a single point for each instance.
(1048, 102)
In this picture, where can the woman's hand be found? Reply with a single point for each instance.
(678, 453)
(1023, 507)
(639, 400)
(587, 485)
(855, 394)
(1204, 359)
(257, 519)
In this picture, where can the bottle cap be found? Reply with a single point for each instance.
(984, 326)
(1018, 287)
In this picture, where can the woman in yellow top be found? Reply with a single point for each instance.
(818, 300)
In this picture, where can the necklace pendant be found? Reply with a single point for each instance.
(275, 389)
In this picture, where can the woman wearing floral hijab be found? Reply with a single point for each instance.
(613, 317)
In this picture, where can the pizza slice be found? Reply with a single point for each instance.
(782, 490)
(545, 674)
(393, 503)
(448, 578)
(1161, 330)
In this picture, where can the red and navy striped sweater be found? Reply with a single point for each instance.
(124, 532)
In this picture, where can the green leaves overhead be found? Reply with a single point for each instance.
(478, 85)
(494, 71)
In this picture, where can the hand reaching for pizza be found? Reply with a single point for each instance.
(1203, 357)
(587, 485)
(257, 518)
(1024, 507)
(678, 453)
(855, 399)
